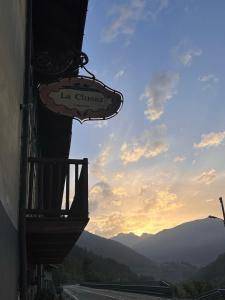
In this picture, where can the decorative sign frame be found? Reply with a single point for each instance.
(82, 98)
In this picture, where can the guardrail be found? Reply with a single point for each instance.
(146, 289)
(218, 294)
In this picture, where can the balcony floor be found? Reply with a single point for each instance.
(49, 239)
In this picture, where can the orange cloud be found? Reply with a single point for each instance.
(211, 139)
(98, 165)
(179, 158)
(150, 144)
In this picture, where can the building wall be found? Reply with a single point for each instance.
(12, 43)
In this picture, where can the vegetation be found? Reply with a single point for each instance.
(192, 288)
(172, 271)
(107, 248)
(82, 265)
(213, 272)
(175, 271)
(208, 278)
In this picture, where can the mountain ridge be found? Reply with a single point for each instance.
(186, 242)
(129, 239)
(118, 252)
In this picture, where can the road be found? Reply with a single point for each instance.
(84, 293)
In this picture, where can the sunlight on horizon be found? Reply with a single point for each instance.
(160, 161)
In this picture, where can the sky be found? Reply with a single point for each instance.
(160, 161)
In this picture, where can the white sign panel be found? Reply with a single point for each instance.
(82, 98)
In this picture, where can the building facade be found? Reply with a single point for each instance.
(12, 62)
(40, 42)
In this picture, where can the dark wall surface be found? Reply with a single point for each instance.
(8, 257)
(12, 44)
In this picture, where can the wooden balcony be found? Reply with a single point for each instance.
(57, 207)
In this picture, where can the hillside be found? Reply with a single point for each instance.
(118, 252)
(130, 239)
(82, 265)
(169, 271)
(214, 272)
(198, 242)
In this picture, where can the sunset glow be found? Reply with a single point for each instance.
(160, 162)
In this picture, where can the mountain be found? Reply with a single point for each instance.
(213, 272)
(139, 264)
(198, 242)
(130, 239)
(122, 254)
(175, 271)
(82, 265)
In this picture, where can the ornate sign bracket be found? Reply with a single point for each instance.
(81, 97)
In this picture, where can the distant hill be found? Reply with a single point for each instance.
(176, 271)
(198, 242)
(82, 265)
(118, 252)
(130, 239)
(213, 272)
(169, 271)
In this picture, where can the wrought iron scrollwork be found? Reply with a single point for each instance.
(52, 63)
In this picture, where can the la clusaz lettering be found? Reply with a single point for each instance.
(80, 97)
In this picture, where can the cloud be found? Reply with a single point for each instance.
(158, 199)
(211, 140)
(105, 198)
(161, 89)
(150, 144)
(126, 17)
(118, 176)
(151, 199)
(128, 14)
(101, 161)
(151, 210)
(101, 189)
(210, 200)
(166, 199)
(185, 54)
(187, 57)
(179, 158)
(137, 201)
(208, 81)
(101, 124)
(208, 78)
(207, 177)
(119, 74)
(119, 191)
(108, 225)
(161, 5)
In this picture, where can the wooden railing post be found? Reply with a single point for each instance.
(76, 177)
(68, 187)
(59, 182)
(84, 187)
(40, 199)
(50, 187)
(31, 180)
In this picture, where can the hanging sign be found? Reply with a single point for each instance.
(82, 98)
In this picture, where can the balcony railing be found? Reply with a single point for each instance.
(57, 187)
(57, 207)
